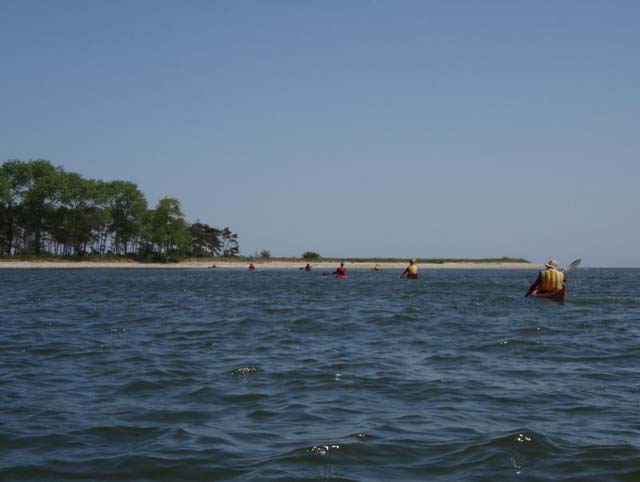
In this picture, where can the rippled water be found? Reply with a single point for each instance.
(149, 375)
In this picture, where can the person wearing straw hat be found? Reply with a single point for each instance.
(551, 280)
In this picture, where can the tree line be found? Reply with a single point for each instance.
(45, 210)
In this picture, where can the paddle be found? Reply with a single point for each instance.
(573, 264)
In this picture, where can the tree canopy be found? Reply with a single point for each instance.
(47, 210)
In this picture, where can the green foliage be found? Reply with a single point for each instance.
(128, 210)
(504, 259)
(47, 211)
(5, 189)
(38, 186)
(229, 241)
(310, 255)
(205, 240)
(169, 231)
(264, 254)
(7, 213)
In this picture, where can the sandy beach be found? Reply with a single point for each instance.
(259, 264)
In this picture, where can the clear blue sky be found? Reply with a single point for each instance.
(359, 128)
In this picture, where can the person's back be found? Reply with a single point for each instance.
(551, 280)
(341, 271)
(412, 270)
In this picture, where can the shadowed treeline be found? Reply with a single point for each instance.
(45, 210)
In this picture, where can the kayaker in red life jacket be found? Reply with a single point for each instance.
(307, 267)
(548, 281)
(251, 267)
(412, 270)
(341, 271)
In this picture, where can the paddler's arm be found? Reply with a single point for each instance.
(534, 285)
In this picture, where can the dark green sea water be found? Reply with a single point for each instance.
(202, 375)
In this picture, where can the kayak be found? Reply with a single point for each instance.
(341, 276)
(559, 295)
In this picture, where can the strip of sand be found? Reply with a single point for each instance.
(259, 264)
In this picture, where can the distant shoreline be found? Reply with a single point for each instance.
(259, 264)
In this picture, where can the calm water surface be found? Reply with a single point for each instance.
(169, 375)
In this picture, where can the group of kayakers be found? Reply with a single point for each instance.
(411, 272)
(341, 272)
(550, 282)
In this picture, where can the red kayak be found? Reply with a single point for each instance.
(341, 276)
(559, 295)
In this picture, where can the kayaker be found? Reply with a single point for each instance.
(341, 271)
(251, 267)
(307, 267)
(551, 280)
(377, 267)
(412, 270)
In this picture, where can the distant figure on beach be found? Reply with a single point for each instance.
(377, 267)
(213, 266)
(549, 281)
(412, 270)
(341, 272)
(307, 267)
(252, 267)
